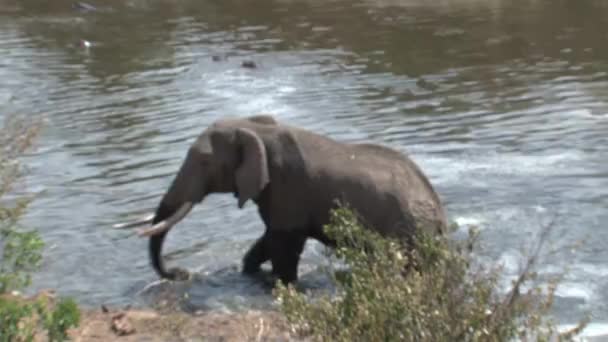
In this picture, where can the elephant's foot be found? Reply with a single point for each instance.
(284, 250)
(255, 257)
(287, 275)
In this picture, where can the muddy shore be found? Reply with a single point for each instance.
(151, 325)
(168, 323)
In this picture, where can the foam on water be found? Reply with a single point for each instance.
(575, 290)
(474, 167)
(468, 221)
(593, 332)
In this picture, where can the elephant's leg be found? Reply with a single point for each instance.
(284, 249)
(256, 256)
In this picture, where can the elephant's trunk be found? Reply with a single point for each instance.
(164, 219)
(155, 247)
(188, 187)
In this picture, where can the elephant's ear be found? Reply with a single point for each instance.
(252, 175)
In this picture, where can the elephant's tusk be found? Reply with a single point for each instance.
(166, 224)
(144, 220)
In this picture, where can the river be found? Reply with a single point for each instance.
(503, 103)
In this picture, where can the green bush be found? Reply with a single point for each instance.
(59, 319)
(21, 251)
(20, 319)
(432, 292)
(21, 255)
(14, 325)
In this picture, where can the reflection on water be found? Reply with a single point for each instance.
(503, 103)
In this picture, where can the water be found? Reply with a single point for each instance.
(504, 104)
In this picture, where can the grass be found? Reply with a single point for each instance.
(432, 292)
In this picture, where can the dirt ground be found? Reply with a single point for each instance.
(150, 325)
(169, 324)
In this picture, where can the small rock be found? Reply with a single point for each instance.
(249, 64)
(219, 58)
(104, 308)
(121, 325)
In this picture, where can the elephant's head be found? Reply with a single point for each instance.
(227, 157)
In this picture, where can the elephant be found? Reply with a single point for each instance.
(295, 176)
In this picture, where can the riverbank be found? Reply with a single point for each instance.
(152, 325)
(168, 323)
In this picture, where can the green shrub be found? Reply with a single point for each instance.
(14, 325)
(433, 292)
(58, 320)
(20, 319)
(21, 251)
(21, 255)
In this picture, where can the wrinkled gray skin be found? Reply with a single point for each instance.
(294, 176)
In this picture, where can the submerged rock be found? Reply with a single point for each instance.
(249, 64)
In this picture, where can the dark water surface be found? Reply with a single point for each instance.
(504, 104)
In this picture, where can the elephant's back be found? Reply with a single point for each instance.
(387, 188)
(383, 185)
